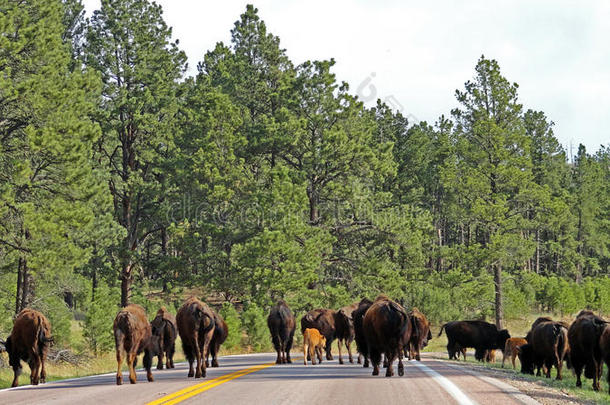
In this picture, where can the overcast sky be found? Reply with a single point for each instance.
(415, 54)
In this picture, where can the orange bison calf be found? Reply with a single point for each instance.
(313, 343)
(29, 341)
(510, 349)
(132, 336)
(196, 328)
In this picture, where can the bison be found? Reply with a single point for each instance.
(420, 334)
(29, 341)
(480, 335)
(313, 343)
(132, 336)
(604, 343)
(583, 336)
(344, 326)
(196, 328)
(358, 317)
(387, 329)
(511, 349)
(324, 321)
(164, 326)
(221, 332)
(281, 325)
(548, 345)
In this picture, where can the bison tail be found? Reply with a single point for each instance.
(441, 331)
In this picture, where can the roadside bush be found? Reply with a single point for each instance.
(254, 322)
(231, 317)
(97, 328)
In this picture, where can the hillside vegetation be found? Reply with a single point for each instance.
(122, 180)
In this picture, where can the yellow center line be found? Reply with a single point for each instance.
(193, 390)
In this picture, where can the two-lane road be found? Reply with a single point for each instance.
(254, 379)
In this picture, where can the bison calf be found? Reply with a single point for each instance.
(132, 336)
(29, 341)
(282, 325)
(196, 328)
(324, 321)
(164, 326)
(511, 349)
(313, 343)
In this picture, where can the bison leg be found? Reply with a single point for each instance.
(198, 355)
(43, 371)
(340, 355)
(34, 364)
(389, 372)
(305, 353)
(329, 355)
(215, 355)
(170, 355)
(147, 361)
(160, 360)
(278, 348)
(131, 359)
(119, 373)
(16, 372)
(287, 348)
(319, 350)
(401, 367)
(375, 357)
(348, 344)
(359, 361)
(205, 349)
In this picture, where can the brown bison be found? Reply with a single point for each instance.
(221, 332)
(282, 326)
(29, 341)
(548, 345)
(511, 349)
(583, 336)
(324, 321)
(420, 334)
(164, 326)
(132, 336)
(196, 328)
(358, 317)
(344, 326)
(604, 343)
(387, 329)
(480, 335)
(313, 343)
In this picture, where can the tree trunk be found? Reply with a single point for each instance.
(25, 285)
(19, 286)
(126, 278)
(537, 251)
(498, 288)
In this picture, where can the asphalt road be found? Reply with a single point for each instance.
(254, 379)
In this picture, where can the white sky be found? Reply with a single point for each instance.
(419, 53)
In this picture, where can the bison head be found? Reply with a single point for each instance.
(503, 336)
(526, 357)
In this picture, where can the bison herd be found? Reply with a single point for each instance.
(381, 329)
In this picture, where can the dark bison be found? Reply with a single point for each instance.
(132, 336)
(29, 341)
(344, 327)
(358, 317)
(583, 336)
(387, 329)
(548, 345)
(221, 332)
(196, 328)
(164, 326)
(324, 321)
(420, 334)
(480, 335)
(281, 325)
(604, 343)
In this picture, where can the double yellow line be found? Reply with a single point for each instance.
(193, 390)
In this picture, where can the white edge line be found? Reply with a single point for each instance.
(447, 385)
(507, 388)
